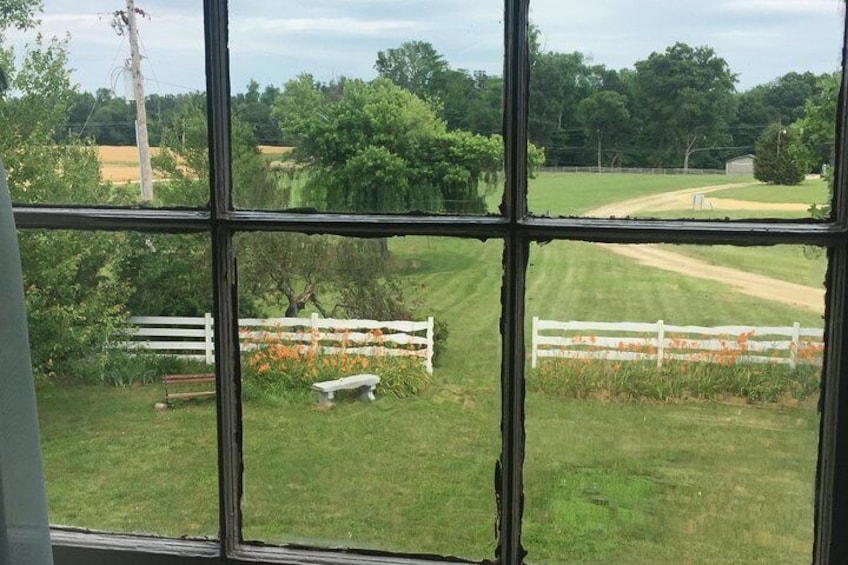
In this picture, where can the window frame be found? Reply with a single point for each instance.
(518, 230)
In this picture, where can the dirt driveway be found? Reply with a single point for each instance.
(752, 284)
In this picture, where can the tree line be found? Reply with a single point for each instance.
(676, 108)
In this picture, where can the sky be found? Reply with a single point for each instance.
(274, 41)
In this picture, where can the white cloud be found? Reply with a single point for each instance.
(343, 26)
(765, 7)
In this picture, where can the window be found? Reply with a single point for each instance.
(237, 225)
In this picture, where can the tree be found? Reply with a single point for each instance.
(605, 117)
(781, 156)
(255, 109)
(818, 125)
(415, 66)
(782, 100)
(75, 303)
(379, 148)
(558, 82)
(18, 14)
(685, 101)
(336, 277)
(472, 102)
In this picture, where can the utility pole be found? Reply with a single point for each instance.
(598, 132)
(125, 21)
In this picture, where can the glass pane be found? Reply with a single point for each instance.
(726, 113)
(672, 403)
(110, 315)
(368, 107)
(410, 470)
(73, 132)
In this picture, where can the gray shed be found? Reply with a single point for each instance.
(742, 165)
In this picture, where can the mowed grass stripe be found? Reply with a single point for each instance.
(801, 264)
(583, 281)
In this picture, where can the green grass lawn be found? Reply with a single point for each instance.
(606, 482)
(584, 281)
(808, 192)
(572, 194)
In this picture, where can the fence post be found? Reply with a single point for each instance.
(207, 338)
(660, 343)
(314, 342)
(796, 343)
(431, 344)
(533, 356)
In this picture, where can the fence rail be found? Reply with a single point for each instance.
(193, 338)
(659, 342)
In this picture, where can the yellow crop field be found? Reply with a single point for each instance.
(120, 163)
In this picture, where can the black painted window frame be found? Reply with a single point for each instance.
(518, 230)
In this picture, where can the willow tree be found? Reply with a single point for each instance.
(377, 148)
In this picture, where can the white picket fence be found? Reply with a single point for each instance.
(659, 342)
(192, 338)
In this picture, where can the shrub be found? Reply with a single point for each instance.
(441, 332)
(781, 156)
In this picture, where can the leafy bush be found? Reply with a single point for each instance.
(75, 304)
(441, 332)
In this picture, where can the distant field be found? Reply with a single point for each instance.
(573, 194)
(120, 163)
(808, 192)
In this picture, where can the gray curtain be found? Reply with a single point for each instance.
(24, 532)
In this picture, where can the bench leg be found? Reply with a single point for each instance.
(325, 397)
(367, 393)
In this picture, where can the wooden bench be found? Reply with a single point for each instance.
(368, 383)
(179, 380)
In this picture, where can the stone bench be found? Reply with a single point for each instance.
(368, 383)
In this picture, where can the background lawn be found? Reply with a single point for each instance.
(606, 482)
(808, 192)
(572, 194)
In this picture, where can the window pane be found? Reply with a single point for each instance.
(123, 452)
(73, 133)
(672, 403)
(675, 114)
(410, 471)
(364, 107)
